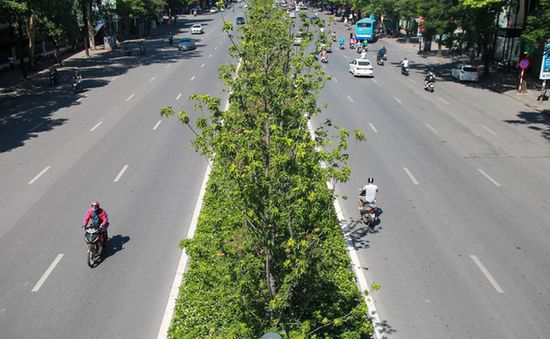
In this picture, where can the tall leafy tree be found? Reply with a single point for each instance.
(537, 31)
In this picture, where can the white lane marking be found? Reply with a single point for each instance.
(168, 66)
(443, 100)
(335, 80)
(121, 173)
(350, 99)
(216, 47)
(487, 274)
(178, 97)
(210, 56)
(396, 99)
(192, 78)
(39, 175)
(489, 130)
(373, 128)
(355, 262)
(157, 125)
(35, 127)
(130, 97)
(431, 128)
(374, 80)
(80, 99)
(202, 65)
(47, 273)
(488, 177)
(411, 80)
(114, 78)
(410, 175)
(96, 126)
(153, 78)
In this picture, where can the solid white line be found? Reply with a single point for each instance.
(153, 78)
(355, 262)
(411, 80)
(443, 100)
(374, 80)
(396, 99)
(350, 99)
(178, 97)
(410, 175)
(210, 56)
(96, 126)
(47, 273)
(157, 125)
(39, 175)
(487, 274)
(488, 177)
(130, 97)
(121, 173)
(373, 128)
(192, 78)
(35, 127)
(431, 128)
(489, 130)
(202, 65)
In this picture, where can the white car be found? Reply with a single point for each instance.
(298, 38)
(361, 67)
(292, 14)
(213, 10)
(196, 29)
(465, 73)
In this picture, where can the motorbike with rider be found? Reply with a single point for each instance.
(367, 202)
(429, 81)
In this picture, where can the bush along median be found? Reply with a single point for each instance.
(268, 254)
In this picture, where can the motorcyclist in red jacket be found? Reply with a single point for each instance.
(99, 215)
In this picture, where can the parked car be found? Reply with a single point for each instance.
(186, 44)
(239, 20)
(361, 67)
(196, 29)
(465, 73)
(213, 10)
(292, 14)
(298, 38)
(326, 47)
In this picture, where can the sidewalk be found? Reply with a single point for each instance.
(505, 83)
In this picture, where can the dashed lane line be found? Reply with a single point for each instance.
(350, 99)
(153, 78)
(202, 65)
(397, 99)
(373, 128)
(157, 125)
(443, 100)
(47, 273)
(39, 175)
(130, 97)
(488, 177)
(411, 80)
(192, 78)
(374, 80)
(178, 97)
(335, 80)
(431, 128)
(410, 175)
(487, 274)
(489, 130)
(215, 47)
(210, 55)
(96, 126)
(35, 127)
(121, 173)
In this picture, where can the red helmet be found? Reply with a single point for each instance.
(95, 203)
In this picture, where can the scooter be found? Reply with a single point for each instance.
(142, 50)
(368, 214)
(54, 80)
(342, 46)
(379, 60)
(324, 59)
(405, 71)
(170, 40)
(94, 239)
(429, 86)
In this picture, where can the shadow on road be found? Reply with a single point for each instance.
(27, 106)
(114, 245)
(538, 121)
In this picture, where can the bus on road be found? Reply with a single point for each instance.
(364, 29)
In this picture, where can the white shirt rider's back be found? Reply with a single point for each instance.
(405, 63)
(370, 192)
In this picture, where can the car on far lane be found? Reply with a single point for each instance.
(214, 10)
(196, 29)
(465, 73)
(186, 44)
(239, 20)
(361, 67)
(292, 14)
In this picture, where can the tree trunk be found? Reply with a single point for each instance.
(270, 279)
(439, 48)
(91, 31)
(31, 32)
(21, 47)
(86, 36)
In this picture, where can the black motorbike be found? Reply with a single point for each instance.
(54, 78)
(429, 86)
(94, 248)
(380, 60)
(142, 50)
(170, 40)
(77, 85)
(405, 70)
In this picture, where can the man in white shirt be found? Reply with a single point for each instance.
(368, 193)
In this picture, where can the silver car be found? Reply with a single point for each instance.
(465, 73)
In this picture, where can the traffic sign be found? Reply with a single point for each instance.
(524, 63)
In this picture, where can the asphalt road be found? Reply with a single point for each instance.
(111, 144)
(461, 250)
